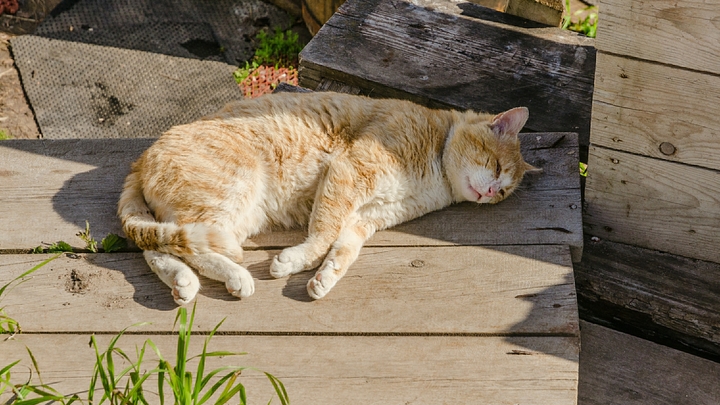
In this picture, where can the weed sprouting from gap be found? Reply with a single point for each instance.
(583, 169)
(90, 242)
(110, 243)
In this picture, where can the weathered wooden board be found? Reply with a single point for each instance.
(505, 290)
(347, 369)
(544, 11)
(656, 110)
(460, 55)
(620, 369)
(670, 299)
(653, 203)
(675, 32)
(52, 187)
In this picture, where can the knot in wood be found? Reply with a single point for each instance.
(666, 148)
(417, 263)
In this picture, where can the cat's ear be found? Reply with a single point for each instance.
(530, 168)
(510, 122)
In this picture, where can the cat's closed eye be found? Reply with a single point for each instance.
(498, 169)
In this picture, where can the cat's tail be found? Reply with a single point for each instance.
(141, 227)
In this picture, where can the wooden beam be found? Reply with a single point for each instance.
(653, 203)
(619, 369)
(681, 33)
(656, 110)
(669, 299)
(514, 290)
(458, 55)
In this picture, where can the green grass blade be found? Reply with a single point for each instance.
(279, 389)
(7, 368)
(27, 273)
(35, 364)
(230, 392)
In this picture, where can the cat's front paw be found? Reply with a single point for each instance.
(185, 288)
(323, 281)
(289, 261)
(242, 286)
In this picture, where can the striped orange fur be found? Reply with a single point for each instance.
(345, 166)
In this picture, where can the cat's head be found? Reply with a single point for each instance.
(482, 156)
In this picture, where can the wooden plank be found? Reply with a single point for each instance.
(619, 369)
(656, 110)
(467, 290)
(396, 49)
(543, 11)
(53, 187)
(653, 203)
(666, 298)
(347, 369)
(681, 33)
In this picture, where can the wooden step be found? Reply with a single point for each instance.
(53, 186)
(445, 53)
(468, 302)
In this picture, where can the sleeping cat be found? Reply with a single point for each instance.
(346, 166)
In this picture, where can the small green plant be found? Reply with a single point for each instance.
(196, 390)
(126, 386)
(279, 49)
(90, 242)
(4, 135)
(112, 243)
(587, 25)
(583, 169)
(57, 247)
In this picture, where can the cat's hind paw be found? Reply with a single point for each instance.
(289, 261)
(184, 289)
(322, 283)
(242, 286)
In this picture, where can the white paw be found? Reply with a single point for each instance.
(241, 286)
(289, 261)
(323, 281)
(185, 288)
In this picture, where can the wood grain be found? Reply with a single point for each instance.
(653, 203)
(619, 369)
(504, 290)
(639, 106)
(52, 187)
(346, 369)
(459, 55)
(681, 33)
(670, 299)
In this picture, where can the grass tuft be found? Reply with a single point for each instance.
(126, 386)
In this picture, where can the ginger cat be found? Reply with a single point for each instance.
(346, 166)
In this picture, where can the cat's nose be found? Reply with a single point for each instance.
(490, 192)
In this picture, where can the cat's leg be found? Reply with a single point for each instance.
(175, 274)
(343, 253)
(337, 199)
(237, 279)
